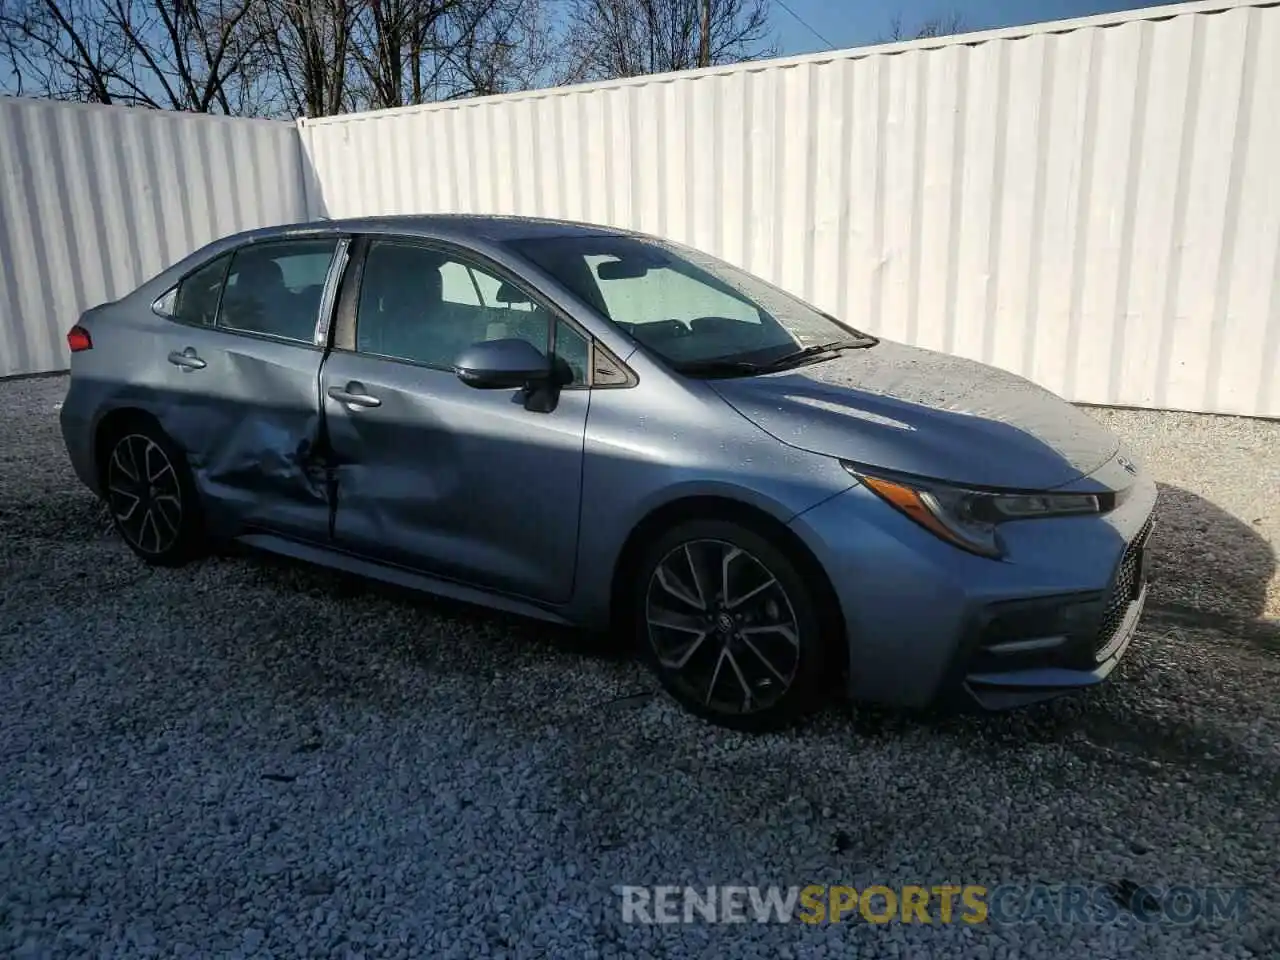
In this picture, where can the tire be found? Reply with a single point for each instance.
(719, 659)
(151, 495)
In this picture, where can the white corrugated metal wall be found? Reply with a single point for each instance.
(1094, 204)
(94, 200)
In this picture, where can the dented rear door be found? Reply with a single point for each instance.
(244, 403)
(248, 420)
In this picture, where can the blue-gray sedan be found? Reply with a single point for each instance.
(601, 428)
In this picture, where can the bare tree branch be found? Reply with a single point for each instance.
(943, 26)
(318, 57)
(624, 38)
(180, 54)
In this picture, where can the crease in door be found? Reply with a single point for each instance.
(268, 439)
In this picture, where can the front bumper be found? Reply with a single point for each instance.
(923, 618)
(1038, 653)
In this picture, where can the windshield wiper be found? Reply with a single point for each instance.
(818, 349)
(744, 368)
(720, 368)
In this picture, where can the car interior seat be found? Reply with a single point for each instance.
(518, 316)
(259, 301)
(400, 293)
(307, 302)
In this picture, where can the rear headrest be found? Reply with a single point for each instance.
(258, 274)
(405, 275)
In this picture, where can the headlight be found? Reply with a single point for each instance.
(970, 518)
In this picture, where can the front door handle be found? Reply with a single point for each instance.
(186, 359)
(353, 395)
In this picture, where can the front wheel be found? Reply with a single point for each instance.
(151, 496)
(730, 627)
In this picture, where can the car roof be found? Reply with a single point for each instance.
(457, 226)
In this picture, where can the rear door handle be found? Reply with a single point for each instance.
(353, 395)
(187, 359)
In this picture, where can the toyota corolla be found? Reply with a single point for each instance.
(596, 427)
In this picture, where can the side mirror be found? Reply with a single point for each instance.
(502, 365)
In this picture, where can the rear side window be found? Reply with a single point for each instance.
(197, 296)
(275, 288)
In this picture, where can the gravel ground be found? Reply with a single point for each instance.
(247, 757)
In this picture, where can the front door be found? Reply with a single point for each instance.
(433, 474)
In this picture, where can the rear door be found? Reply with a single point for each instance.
(435, 475)
(241, 392)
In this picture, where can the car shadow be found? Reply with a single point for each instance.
(1211, 570)
(483, 621)
(1207, 570)
(1209, 578)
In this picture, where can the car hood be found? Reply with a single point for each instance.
(925, 413)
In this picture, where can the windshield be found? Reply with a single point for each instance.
(690, 308)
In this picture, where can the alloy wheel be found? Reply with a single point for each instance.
(144, 494)
(722, 626)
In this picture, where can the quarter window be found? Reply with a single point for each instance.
(197, 296)
(275, 288)
(427, 306)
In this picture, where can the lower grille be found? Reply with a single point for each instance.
(1127, 587)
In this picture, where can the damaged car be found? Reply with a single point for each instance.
(605, 429)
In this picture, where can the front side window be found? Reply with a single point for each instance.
(275, 288)
(689, 308)
(426, 306)
(574, 350)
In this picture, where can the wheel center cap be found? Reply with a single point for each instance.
(724, 623)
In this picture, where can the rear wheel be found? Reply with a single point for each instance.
(730, 626)
(151, 496)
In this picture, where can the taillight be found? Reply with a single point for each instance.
(78, 339)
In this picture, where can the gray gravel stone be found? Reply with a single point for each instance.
(247, 757)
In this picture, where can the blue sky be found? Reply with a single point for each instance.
(851, 23)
